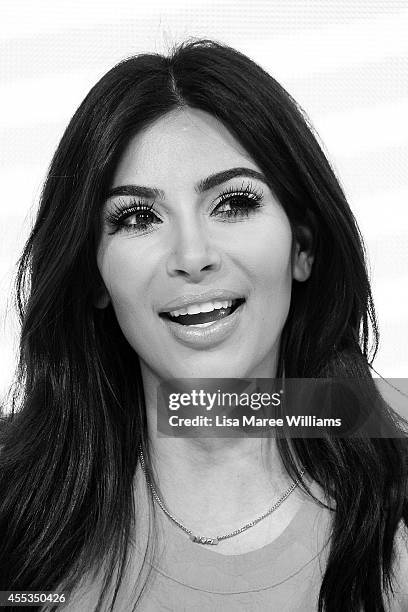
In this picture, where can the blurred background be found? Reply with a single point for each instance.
(344, 61)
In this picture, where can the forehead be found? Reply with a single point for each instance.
(185, 143)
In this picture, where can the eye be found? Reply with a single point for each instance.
(238, 203)
(136, 217)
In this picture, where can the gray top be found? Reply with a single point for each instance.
(284, 575)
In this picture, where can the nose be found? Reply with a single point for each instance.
(193, 255)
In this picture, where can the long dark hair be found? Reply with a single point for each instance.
(70, 449)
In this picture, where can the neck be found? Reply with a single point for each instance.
(213, 484)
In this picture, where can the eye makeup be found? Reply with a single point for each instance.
(242, 202)
(138, 215)
(124, 211)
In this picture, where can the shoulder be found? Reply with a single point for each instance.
(401, 556)
(399, 602)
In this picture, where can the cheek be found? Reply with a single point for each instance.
(126, 278)
(269, 267)
(268, 258)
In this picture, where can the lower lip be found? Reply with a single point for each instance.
(210, 335)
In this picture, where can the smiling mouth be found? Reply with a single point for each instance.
(201, 318)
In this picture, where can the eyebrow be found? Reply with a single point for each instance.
(204, 185)
(222, 177)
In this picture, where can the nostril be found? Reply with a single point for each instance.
(193, 260)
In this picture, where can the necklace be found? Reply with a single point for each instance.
(214, 540)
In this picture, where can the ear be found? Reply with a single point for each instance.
(102, 298)
(302, 256)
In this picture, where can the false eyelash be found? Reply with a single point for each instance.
(246, 189)
(247, 194)
(124, 208)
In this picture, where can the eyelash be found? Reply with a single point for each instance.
(122, 210)
(249, 195)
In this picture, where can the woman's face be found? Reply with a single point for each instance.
(196, 253)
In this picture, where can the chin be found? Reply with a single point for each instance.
(212, 370)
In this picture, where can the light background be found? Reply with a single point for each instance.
(344, 61)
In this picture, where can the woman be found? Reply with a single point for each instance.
(190, 226)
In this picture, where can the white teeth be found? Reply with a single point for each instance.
(193, 309)
(202, 324)
(204, 307)
(176, 313)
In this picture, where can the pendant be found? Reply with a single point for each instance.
(202, 540)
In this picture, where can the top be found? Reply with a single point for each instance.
(284, 575)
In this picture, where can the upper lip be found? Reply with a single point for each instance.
(199, 298)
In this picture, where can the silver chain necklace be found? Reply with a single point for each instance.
(215, 540)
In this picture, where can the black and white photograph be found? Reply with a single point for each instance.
(203, 306)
